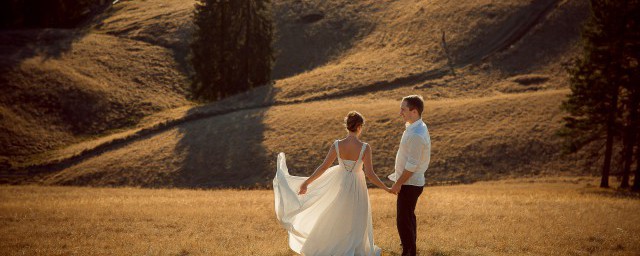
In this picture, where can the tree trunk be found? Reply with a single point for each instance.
(616, 53)
(636, 180)
(629, 139)
(606, 168)
(448, 54)
(222, 86)
(247, 45)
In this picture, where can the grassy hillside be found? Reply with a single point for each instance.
(403, 49)
(560, 216)
(67, 88)
(473, 139)
(115, 110)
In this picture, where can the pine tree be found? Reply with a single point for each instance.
(630, 133)
(232, 44)
(262, 47)
(600, 82)
(630, 54)
(203, 53)
(635, 92)
(633, 66)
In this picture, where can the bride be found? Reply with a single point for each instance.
(328, 213)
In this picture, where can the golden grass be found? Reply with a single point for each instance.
(472, 139)
(147, 123)
(165, 23)
(401, 39)
(554, 216)
(79, 94)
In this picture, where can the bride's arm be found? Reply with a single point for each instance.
(328, 160)
(368, 169)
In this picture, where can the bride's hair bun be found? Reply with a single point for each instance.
(353, 121)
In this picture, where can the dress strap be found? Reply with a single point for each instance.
(335, 143)
(364, 146)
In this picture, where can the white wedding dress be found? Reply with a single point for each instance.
(333, 217)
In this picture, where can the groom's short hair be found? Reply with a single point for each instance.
(415, 102)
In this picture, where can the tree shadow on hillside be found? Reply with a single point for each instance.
(432, 252)
(225, 151)
(618, 193)
(501, 36)
(312, 40)
(548, 39)
(17, 45)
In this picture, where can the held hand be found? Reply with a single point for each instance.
(303, 189)
(388, 189)
(395, 189)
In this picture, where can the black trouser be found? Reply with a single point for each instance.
(406, 217)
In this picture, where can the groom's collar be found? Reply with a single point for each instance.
(414, 124)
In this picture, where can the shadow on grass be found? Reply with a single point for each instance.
(618, 193)
(432, 252)
(225, 151)
(17, 45)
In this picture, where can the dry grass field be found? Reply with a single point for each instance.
(550, 216)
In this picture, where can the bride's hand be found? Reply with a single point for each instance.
(303, 189)
(388, 189)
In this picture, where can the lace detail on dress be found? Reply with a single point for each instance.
(349, 165)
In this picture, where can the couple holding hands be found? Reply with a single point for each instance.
(328, 213)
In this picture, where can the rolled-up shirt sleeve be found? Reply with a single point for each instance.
(416, 147)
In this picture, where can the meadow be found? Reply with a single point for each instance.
(541, 216)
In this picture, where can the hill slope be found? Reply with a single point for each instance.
(473, 139)
(72, 88)
(332, 57)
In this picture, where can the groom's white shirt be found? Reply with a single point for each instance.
(414, 153)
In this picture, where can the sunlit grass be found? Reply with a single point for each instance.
(551, 217)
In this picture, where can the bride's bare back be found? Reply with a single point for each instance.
(349, 149)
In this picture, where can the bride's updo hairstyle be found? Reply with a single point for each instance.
(353, 121)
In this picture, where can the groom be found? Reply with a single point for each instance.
(412, 160)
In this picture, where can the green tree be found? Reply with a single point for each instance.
(630, 81)
(232, 47)
(600, 106)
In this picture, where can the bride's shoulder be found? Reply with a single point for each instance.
(335, 143)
